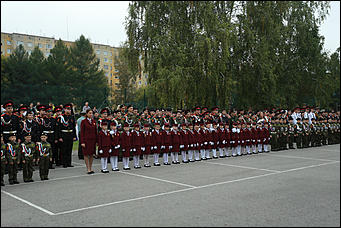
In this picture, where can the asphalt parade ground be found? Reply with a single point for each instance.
(298, 187)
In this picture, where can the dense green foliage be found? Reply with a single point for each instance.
(67, 75)
(233, 53)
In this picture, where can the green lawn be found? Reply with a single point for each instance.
(75, 145)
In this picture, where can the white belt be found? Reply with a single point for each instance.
(66, 130)
(9, 132)
(49, 132)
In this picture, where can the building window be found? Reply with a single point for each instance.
(111, 60)
(105, 67)
(9, 42)
(47, 54)
(105, 53)
(48, 46)
(110, 54)
(29, 52)
(145, 83)
(139, 82)
(117, 77)
(106, 74)
(40, 45)
(105, 60)
(20, 42)
(116, 70)
(29, 44)
(98, 52)
(8, 51)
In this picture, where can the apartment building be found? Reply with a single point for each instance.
(106, 54)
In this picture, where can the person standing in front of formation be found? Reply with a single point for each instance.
(29, 156)
(66, 133)
(137, 138)
(3, 160)
(104, 146)
(44, 156)
(115, 146)
(88, 139)
(13, 158)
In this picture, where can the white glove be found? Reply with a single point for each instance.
(264, 139)
(232, 141)
(118, 146)
(238, 141)
(111, 132)
(201, 144)
(224, 142)
(101, 151)
(155, 147)
(123, 150)
(170, 147)
(197, 144)
(134, 150)
(253, 140)
(143, 149)
(110, 150)
(182, 146)
(191, 145)
(205, 143)
(258, 140)
(211, 143)
(162, 147)
(151, 148)
(247, 140)
(218, 143)
(269, 138)
(242, 141)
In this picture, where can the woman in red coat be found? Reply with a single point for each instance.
(88, 139)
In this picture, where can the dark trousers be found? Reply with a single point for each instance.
(44, 167)
(3, 167)
(28, 169)
(67, 150)
(12, 171)
(80, 153)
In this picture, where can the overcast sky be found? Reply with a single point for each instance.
(101, 22)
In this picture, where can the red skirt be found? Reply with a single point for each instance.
(147, 150)
(114, 152)
(90, 147)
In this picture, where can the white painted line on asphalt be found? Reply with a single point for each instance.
(191, 188)
(337, 150)
(288, 156)
(158, 179)
(239, 166)
(29, 203)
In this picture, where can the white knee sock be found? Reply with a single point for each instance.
(190, 155)
(165, 157)
(177, 156)
(112, 162)
(227, 151)
(156, 158)
(253, 148)
(173, 156)
(247, 149)
(104, 163)
(259, 148)
(183, 155)
(196, 155)
(207, 153)
(239, 150)
(202, 151)
(116, 162)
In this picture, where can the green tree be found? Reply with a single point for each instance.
(88, 81)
